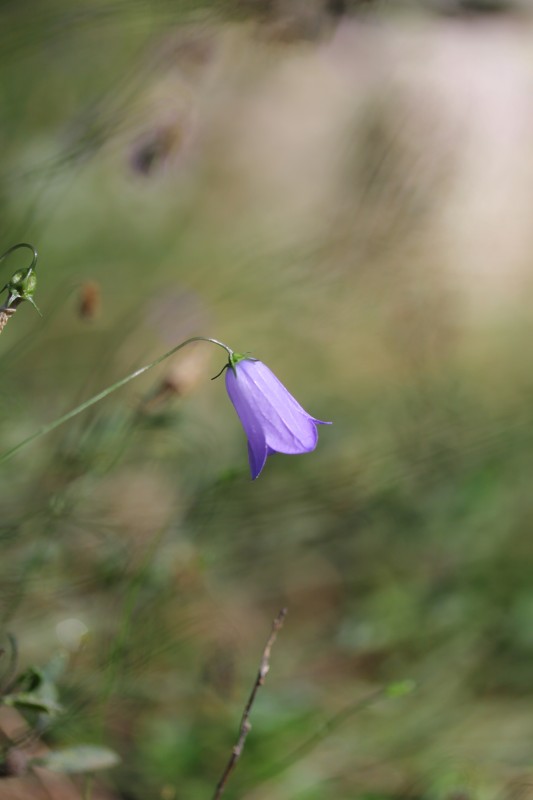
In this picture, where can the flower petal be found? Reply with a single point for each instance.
(257, 459)
(257, 447)
(274, 422)
(287, 427)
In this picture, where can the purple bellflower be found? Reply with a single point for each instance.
(274, 422)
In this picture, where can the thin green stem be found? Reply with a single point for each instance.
(16, 247)
(51, 426)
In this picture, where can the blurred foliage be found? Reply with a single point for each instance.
(288, 180)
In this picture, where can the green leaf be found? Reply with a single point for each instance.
(400, 688)
(31, 679)
(29, 701)
(84, 758)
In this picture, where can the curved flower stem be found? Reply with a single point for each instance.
(105, 392)
(16, 247)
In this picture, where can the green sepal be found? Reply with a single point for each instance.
(234, 359)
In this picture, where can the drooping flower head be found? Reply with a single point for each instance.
(274, 422)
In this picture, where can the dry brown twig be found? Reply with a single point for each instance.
(5, 315)
(246, 726)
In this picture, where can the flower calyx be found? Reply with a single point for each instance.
(23, 282)
(233, 360)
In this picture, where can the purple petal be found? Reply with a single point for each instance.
(257, 448)
(256, 458)
(273, 420)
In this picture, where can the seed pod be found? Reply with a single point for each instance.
(90, 300)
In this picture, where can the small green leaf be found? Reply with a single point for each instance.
(400, 688)
(27, 701)
(84, 758)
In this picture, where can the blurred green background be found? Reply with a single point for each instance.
(345, 190)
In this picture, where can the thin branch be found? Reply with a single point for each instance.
(5, 315)
(246, 726)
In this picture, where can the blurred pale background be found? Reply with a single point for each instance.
(346, 191)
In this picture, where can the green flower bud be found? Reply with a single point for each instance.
(22, 286)
(23, 282)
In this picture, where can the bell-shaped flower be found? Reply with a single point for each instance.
(274, 422)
